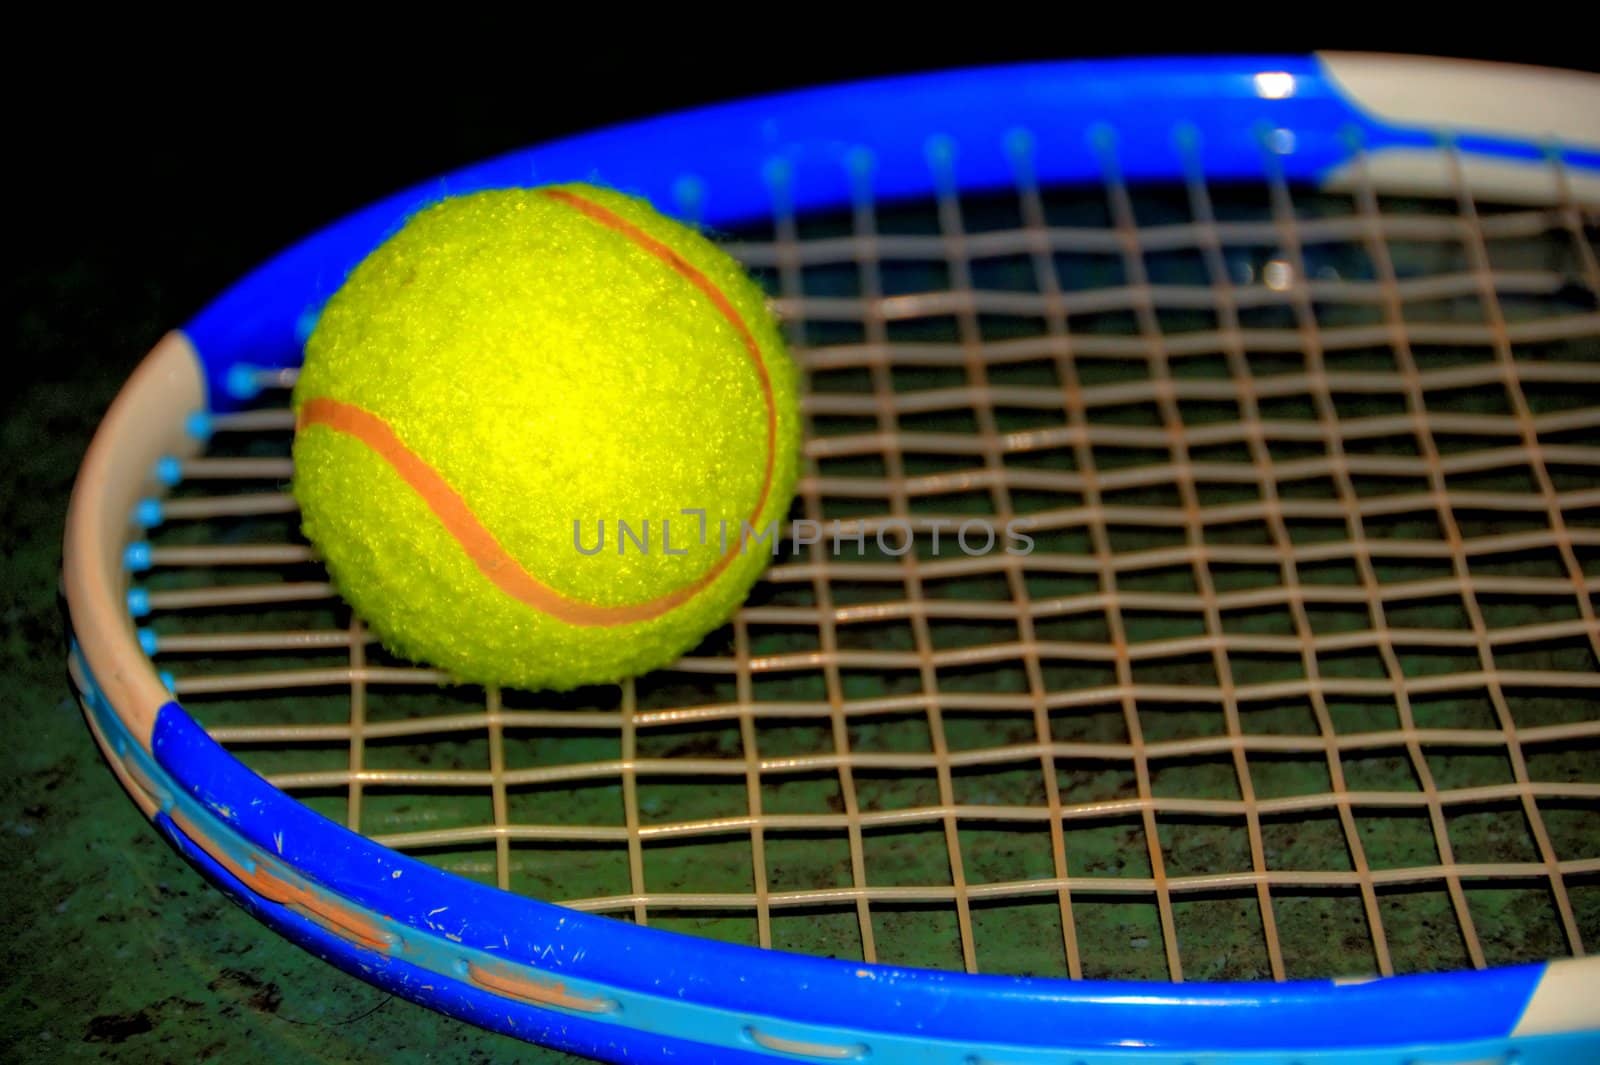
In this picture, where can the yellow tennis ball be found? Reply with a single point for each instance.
(540, 434)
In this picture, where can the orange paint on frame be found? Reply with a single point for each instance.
(543, 992)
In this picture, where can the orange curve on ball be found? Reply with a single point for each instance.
(453, 512)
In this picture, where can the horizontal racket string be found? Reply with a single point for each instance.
(1186, 479)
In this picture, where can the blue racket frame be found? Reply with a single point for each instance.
(667, 997)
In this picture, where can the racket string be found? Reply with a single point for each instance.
(1478, 254)
(1106, 580)
(1072, 406)
(1261, 458)
(787, 242)
(1172, 421)
(1328, 417)
(356, 632)
(1034, 227)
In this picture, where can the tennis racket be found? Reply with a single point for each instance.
(1280, 742)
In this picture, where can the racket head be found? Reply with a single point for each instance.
(592, 984)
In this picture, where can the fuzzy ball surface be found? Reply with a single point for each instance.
(539, 435)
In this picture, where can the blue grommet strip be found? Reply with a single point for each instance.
(169, 471)
(136, 556)
(198, 425)
(244, 382)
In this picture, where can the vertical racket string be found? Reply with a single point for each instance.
(1283, 215)
(358, 718)
(1104, 569)
(749, 747)
(969, 336)
(865, 227)
(493, 709)
(1483, 272)
(787, 241)
(629, 743)
(1127, 228)
(1037, 240)
(1248, 398)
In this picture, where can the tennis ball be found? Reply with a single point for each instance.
(540, 433)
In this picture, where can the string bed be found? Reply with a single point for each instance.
(1298, 679)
